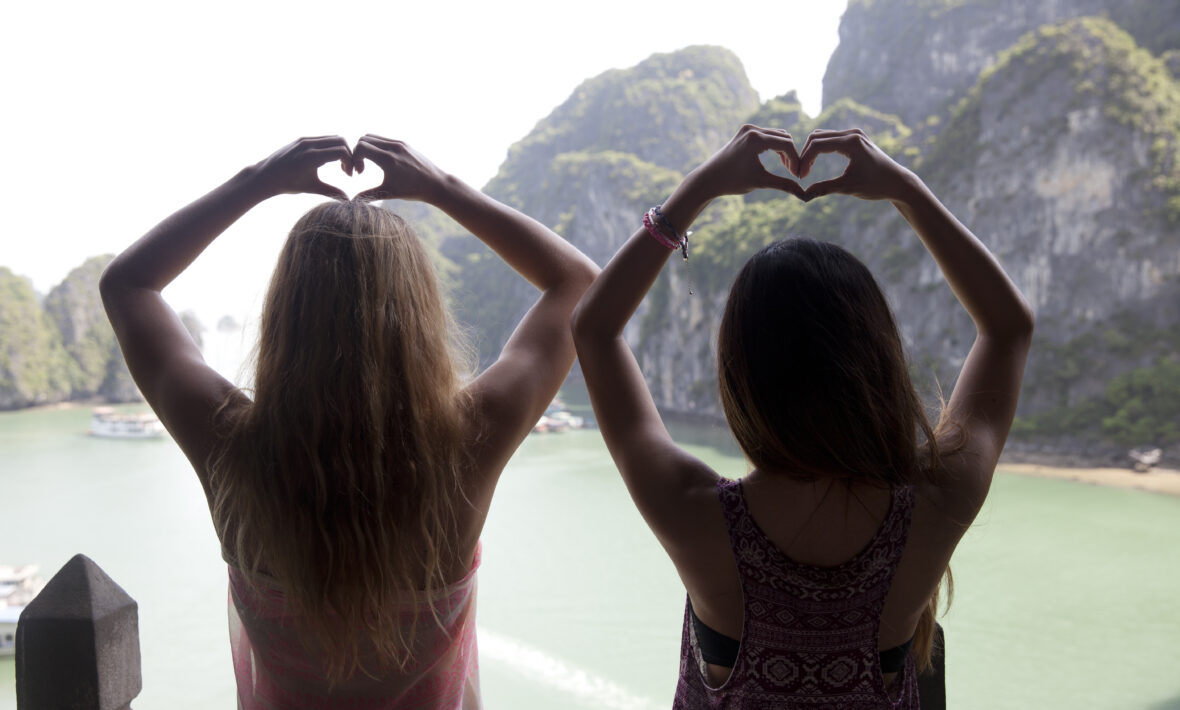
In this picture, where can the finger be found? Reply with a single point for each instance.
(824, 133)
(365, 151)
(790, 158)
(778, 142)
(787, 185)
(375, 193)
(322, 188)
(323, 156)
(824, 187)
(815, 147)
(323, 142)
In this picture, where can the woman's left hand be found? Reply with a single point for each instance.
(294, 168)
(736, 169)
(408, 174)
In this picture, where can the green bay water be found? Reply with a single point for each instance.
(1067, 595)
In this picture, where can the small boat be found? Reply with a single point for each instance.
(107, 423)
(18, 586)
(557, 418)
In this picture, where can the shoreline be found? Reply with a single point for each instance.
(73, 404)
(1162, 481)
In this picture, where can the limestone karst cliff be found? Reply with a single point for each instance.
(916, 58)
(34, 367)
(62, 348)
(1048, 127)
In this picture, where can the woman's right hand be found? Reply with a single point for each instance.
(408, 175)
(869, 175)
(293, 169)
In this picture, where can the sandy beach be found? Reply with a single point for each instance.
(1158, 480)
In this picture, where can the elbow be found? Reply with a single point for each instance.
(584, 273)
(1015, 327)
(579, 323)
(114, 286)
(586, 323)
(1025, 320)
(108, 283)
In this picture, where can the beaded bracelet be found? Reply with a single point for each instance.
(657, 233)
(658, 226)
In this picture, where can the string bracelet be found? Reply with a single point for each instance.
(660, 229)
(657, 232)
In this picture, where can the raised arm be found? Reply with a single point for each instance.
(162, 357)
(984, 398)
(655, 470)
(513, 393)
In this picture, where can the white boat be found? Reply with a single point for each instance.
(18, 586)
(107, 423)
(557, 418)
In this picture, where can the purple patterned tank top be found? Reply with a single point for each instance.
(809, 637)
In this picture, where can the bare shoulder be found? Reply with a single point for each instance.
(952, 498)
(684, 513)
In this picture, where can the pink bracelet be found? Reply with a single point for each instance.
(656, 233)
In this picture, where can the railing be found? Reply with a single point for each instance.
(77, 646)
(77, 643)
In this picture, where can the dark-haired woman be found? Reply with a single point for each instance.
(350, 489)
(813, 580)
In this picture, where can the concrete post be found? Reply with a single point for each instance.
(77, 643)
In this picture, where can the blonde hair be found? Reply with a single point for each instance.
(344, 477)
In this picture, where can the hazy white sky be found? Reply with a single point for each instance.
(117, 113)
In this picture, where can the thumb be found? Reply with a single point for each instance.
(824, 187)
(787, 185)
(373, 193)
(320, 187)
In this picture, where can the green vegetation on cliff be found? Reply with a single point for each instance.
(63, 348)
(75, 308)
(669, 110)
(34, 367)
(1104, 67)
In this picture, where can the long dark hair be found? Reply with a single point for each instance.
(814, 380)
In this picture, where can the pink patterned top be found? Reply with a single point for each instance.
(275, 671)
(809, 637)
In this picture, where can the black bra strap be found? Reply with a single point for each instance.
(893, 659)
(716, 647)
(721, 650)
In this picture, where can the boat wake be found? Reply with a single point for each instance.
(537, 666)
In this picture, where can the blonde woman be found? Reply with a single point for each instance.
(350, 487)
(813, 580)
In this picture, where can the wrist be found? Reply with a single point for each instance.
(254, 184)
(440, 189)
(910, 190)
(686, 202)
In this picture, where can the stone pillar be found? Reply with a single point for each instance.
(77, 643)
(932, 684)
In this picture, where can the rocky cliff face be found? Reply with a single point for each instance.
(34, 367)
(1057, 140)
(591, 168)
(915, 58)
(62, 349)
